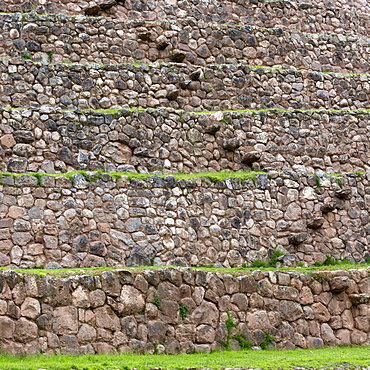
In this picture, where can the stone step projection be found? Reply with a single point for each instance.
(48, 140)
(180, 310)
(89, 39)
(213, 88)
(98, 220)
(286, 14)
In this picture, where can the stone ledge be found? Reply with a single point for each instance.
(215, 87)
(289, 14)
(124, 310)
(170, 141)
(105, 40)
(115, 222)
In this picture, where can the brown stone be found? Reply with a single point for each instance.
(258, 320)
(97, 298)
(65, 320)
(104, 349)
(347, 320)
(141, 284)
(86, 334)
(358, 337)
(25, 330)
(206, 313)
(339, 284)
(321, 312)
(172, 346)
(313, 342)
(247, 284)
(106, 318)
(169, 311)
(357, 299)
(205, 334)
(286, 292)
(240, 300)
(169, 291)
(327, 334)
(185, 333)
(290, 311)
(157, 331)
(344, 337)
(7, 327)
(92, 10)
(30, 308)
(305, 296)
(129, 326)
(7, 141)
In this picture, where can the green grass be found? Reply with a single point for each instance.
(93, 175)
(236, 271)
(348, 357)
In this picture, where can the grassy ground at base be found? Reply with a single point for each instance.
(325, 358)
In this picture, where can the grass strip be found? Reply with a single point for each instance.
(212, 176)
(327, 358)
(96, 174)
(236, 271)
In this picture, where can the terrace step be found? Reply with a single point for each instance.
(94, 219)
(100, 40)
(50, 140)
(215, 87)
(311, 18)
(137, 309)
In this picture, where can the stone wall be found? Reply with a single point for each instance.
(50, 140)
(54, 221)
(140, 311)
(227, 87)
(300, 16)
(102, 40)
(353, 5)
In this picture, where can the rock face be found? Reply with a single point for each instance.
(228, 89)
(138, 141)
(137, 310)
(340, 16)
(252, 44)
(55, 225)
(195, 99)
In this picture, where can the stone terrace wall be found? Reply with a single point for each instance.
(164, 221)
(181, 87)
(354, 5)
(139, 311)
(100, 40)
(48, 140)
(304, 17)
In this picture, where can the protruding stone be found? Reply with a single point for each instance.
(339, 284)
(298, 238)
(251, 157)
(315, 223)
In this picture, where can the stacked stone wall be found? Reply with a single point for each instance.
(226, 87)
(50, 140)
(352, 5)
(53, 221)
(140, 311)
(101, 40)
(305, 17)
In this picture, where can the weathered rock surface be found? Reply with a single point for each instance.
(138, 311)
